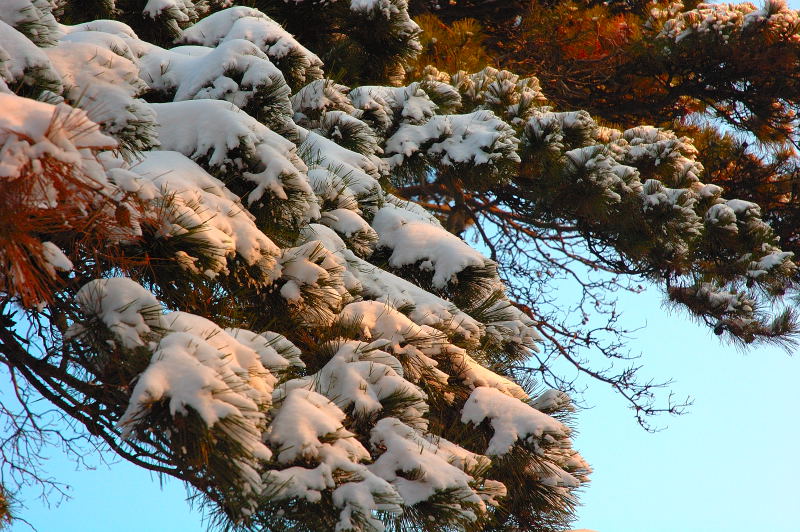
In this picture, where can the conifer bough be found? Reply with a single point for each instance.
(210, 263)
(724, 74)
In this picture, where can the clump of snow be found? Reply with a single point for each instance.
(55, 259)
(510, 418)
(200, 205)
(122, 45)
(129, 311)
(420, 347)
(274, 350)
(299, 64)
(361, 173)
(553, 401)
(240, 358)
(194, 365)
(412, 240)
(175, 11)
(34, 18)
(226, 139)
(361, 377)
(513, 98)
(348, 223)
(205, 73)
(314, 283)
(724, 22)
(23, 62)
(478, 139)
(308, 427)
(106, 85)
(394, 13)
(405, 452)
(190, 372)
(386, 107)
(318, 97)
(303, 419)
(32, 131)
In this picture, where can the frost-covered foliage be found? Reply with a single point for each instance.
(212, 221)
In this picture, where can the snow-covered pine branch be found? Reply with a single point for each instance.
(214, 247)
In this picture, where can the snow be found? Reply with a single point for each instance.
(201, 203)
(182, 370)
(274, 350)
(379, 320)
(304, 417)
(254, 26)
(346, 222)
(722, 217)
(240, 358)
(14, 12)
(106, 85)
(206, 129)
(722, 301)
(318, 97)
(383, 107)
(195, 76)
(428, 309)
(360, 172)
(23, 61)
(773, 259)
(726, 21)
(382, 286)
(33, 17)
(507, 323)
(421, 346)
(478, 138)
(31, 131)
(391, 11)
(553, 401)
(55, 258)
(194, 365)
(112, 27)
(407, 452)
(129, 311)
(413, 241)
(109, 41)
(191, 373)
(310, 269)
(743, 208)
(226, 139)
(511, 419)
(358, 378)
(178, 9)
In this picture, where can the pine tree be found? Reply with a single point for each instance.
(670, 64)
(210, 264)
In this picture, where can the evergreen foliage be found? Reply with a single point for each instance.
(226, 267)
(671, 64)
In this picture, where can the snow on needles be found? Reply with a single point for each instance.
(255, 178)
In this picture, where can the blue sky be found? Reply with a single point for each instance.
(728, 465)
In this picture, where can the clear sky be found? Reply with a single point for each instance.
(729, 465)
